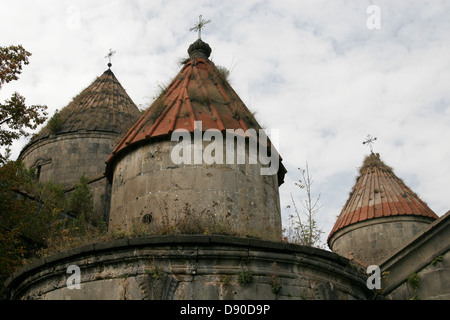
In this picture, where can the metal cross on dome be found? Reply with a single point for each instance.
(370, 140)
(198, 27)
(109, 56)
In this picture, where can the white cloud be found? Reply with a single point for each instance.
(311, 69)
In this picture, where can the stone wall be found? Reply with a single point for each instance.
(427, 259)
(101, 190)
(192, 267)
(148, 186)
(64, 158)
(373, 240)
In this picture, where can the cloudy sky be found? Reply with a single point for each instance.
(325, 74)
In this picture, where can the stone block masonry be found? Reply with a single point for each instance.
(147, 183)
(64, 158)
(427, 258)
(192, 267)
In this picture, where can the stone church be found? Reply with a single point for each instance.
(128, 157)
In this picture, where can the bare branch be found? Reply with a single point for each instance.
(306, 233)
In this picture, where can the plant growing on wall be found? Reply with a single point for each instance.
(155, 272)
(245, 277)
(276, 282)
(55, 123)
(436, 259)
(81, 201)
(28, 216)
(413, 280)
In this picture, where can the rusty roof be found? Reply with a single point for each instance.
(378, 192)
(199, 92)
(103, 106)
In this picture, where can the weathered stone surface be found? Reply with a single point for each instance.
(374, 240)
(64, 158)
(428, 256)
(147, 183)
(193, 267)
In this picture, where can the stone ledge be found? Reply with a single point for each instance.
(125, 249)
(418, 253)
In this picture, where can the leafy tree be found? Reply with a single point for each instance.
(11, 208)
(28, 215)
(305, 231)
(81, 202)
(15, 115)
(34, 220)
(31, 223)
(82, 227)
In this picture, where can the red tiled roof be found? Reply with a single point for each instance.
(378, 192)
(200, 92)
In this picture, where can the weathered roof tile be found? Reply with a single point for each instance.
(103, 106)
(200, 92)
(378, 192)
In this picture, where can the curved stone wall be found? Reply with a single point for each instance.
(64, 158)
(191, 267)
(148, 186)
(373, 240)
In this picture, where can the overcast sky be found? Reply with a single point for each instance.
(324, 73)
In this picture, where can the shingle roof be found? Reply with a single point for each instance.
(103, 106)
(200, 92)
(378, 192)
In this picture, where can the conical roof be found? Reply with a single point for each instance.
(378, 192)
(200, 92)
(103, 106)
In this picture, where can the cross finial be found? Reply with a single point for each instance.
(370, 140)
(109, 55)
(198, 27)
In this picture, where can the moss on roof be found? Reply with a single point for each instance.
(103, 106)
(373, 160)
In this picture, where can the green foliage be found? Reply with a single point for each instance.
(27, 206)
(28, 215)
(155, 272)
(81, 202)
(55, 123)
(413, 280)
(11, 60)
(276, 287)
(33, 219)
(225, 279)
(245, 277)
(435, 260)
(15, 115)
(304, 234)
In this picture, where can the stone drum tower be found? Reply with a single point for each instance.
(381, 215)
(150, 188)
(78, 139)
